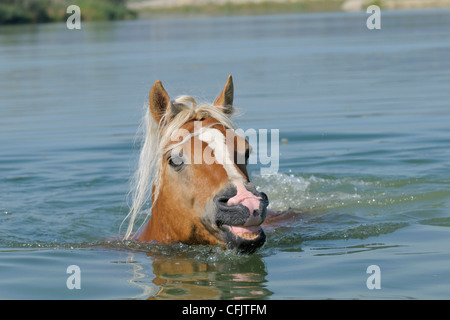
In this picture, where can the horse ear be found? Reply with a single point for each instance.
(159, 101)
(225, 100)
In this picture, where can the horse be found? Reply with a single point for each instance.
(193, 169)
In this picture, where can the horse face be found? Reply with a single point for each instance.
(209, 170)
(205, 196)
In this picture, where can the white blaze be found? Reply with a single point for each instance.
(216, 141)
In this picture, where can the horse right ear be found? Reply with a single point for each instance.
(159, 101)
(225, 99)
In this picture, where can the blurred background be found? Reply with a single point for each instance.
(37, 11)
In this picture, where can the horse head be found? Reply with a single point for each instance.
(196, 164)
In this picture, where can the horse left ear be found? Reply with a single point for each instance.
(159, 101)
(225, 100)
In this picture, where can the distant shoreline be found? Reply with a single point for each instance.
(274, 6)
(42, 11)
(22, 12)
(236, 8)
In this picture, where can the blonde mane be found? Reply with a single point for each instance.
(154, 146)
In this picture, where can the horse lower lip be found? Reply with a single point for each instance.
(244, 239)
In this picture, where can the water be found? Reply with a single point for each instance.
(364, 171)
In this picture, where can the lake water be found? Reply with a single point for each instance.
(364, 119)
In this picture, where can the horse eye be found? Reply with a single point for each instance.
(176, 162)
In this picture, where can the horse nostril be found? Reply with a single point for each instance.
(223, 201)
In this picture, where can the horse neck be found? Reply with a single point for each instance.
(160, 225)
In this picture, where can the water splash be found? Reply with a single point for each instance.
(291, 191)
(323, 207)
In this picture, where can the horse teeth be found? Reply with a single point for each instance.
(247, 235)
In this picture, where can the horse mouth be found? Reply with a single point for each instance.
(247, 233)
(244, 239)
(238, 227)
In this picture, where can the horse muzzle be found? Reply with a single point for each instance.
(239, 216)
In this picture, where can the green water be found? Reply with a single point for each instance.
(363, 178)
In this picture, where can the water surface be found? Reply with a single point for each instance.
(364, 172)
